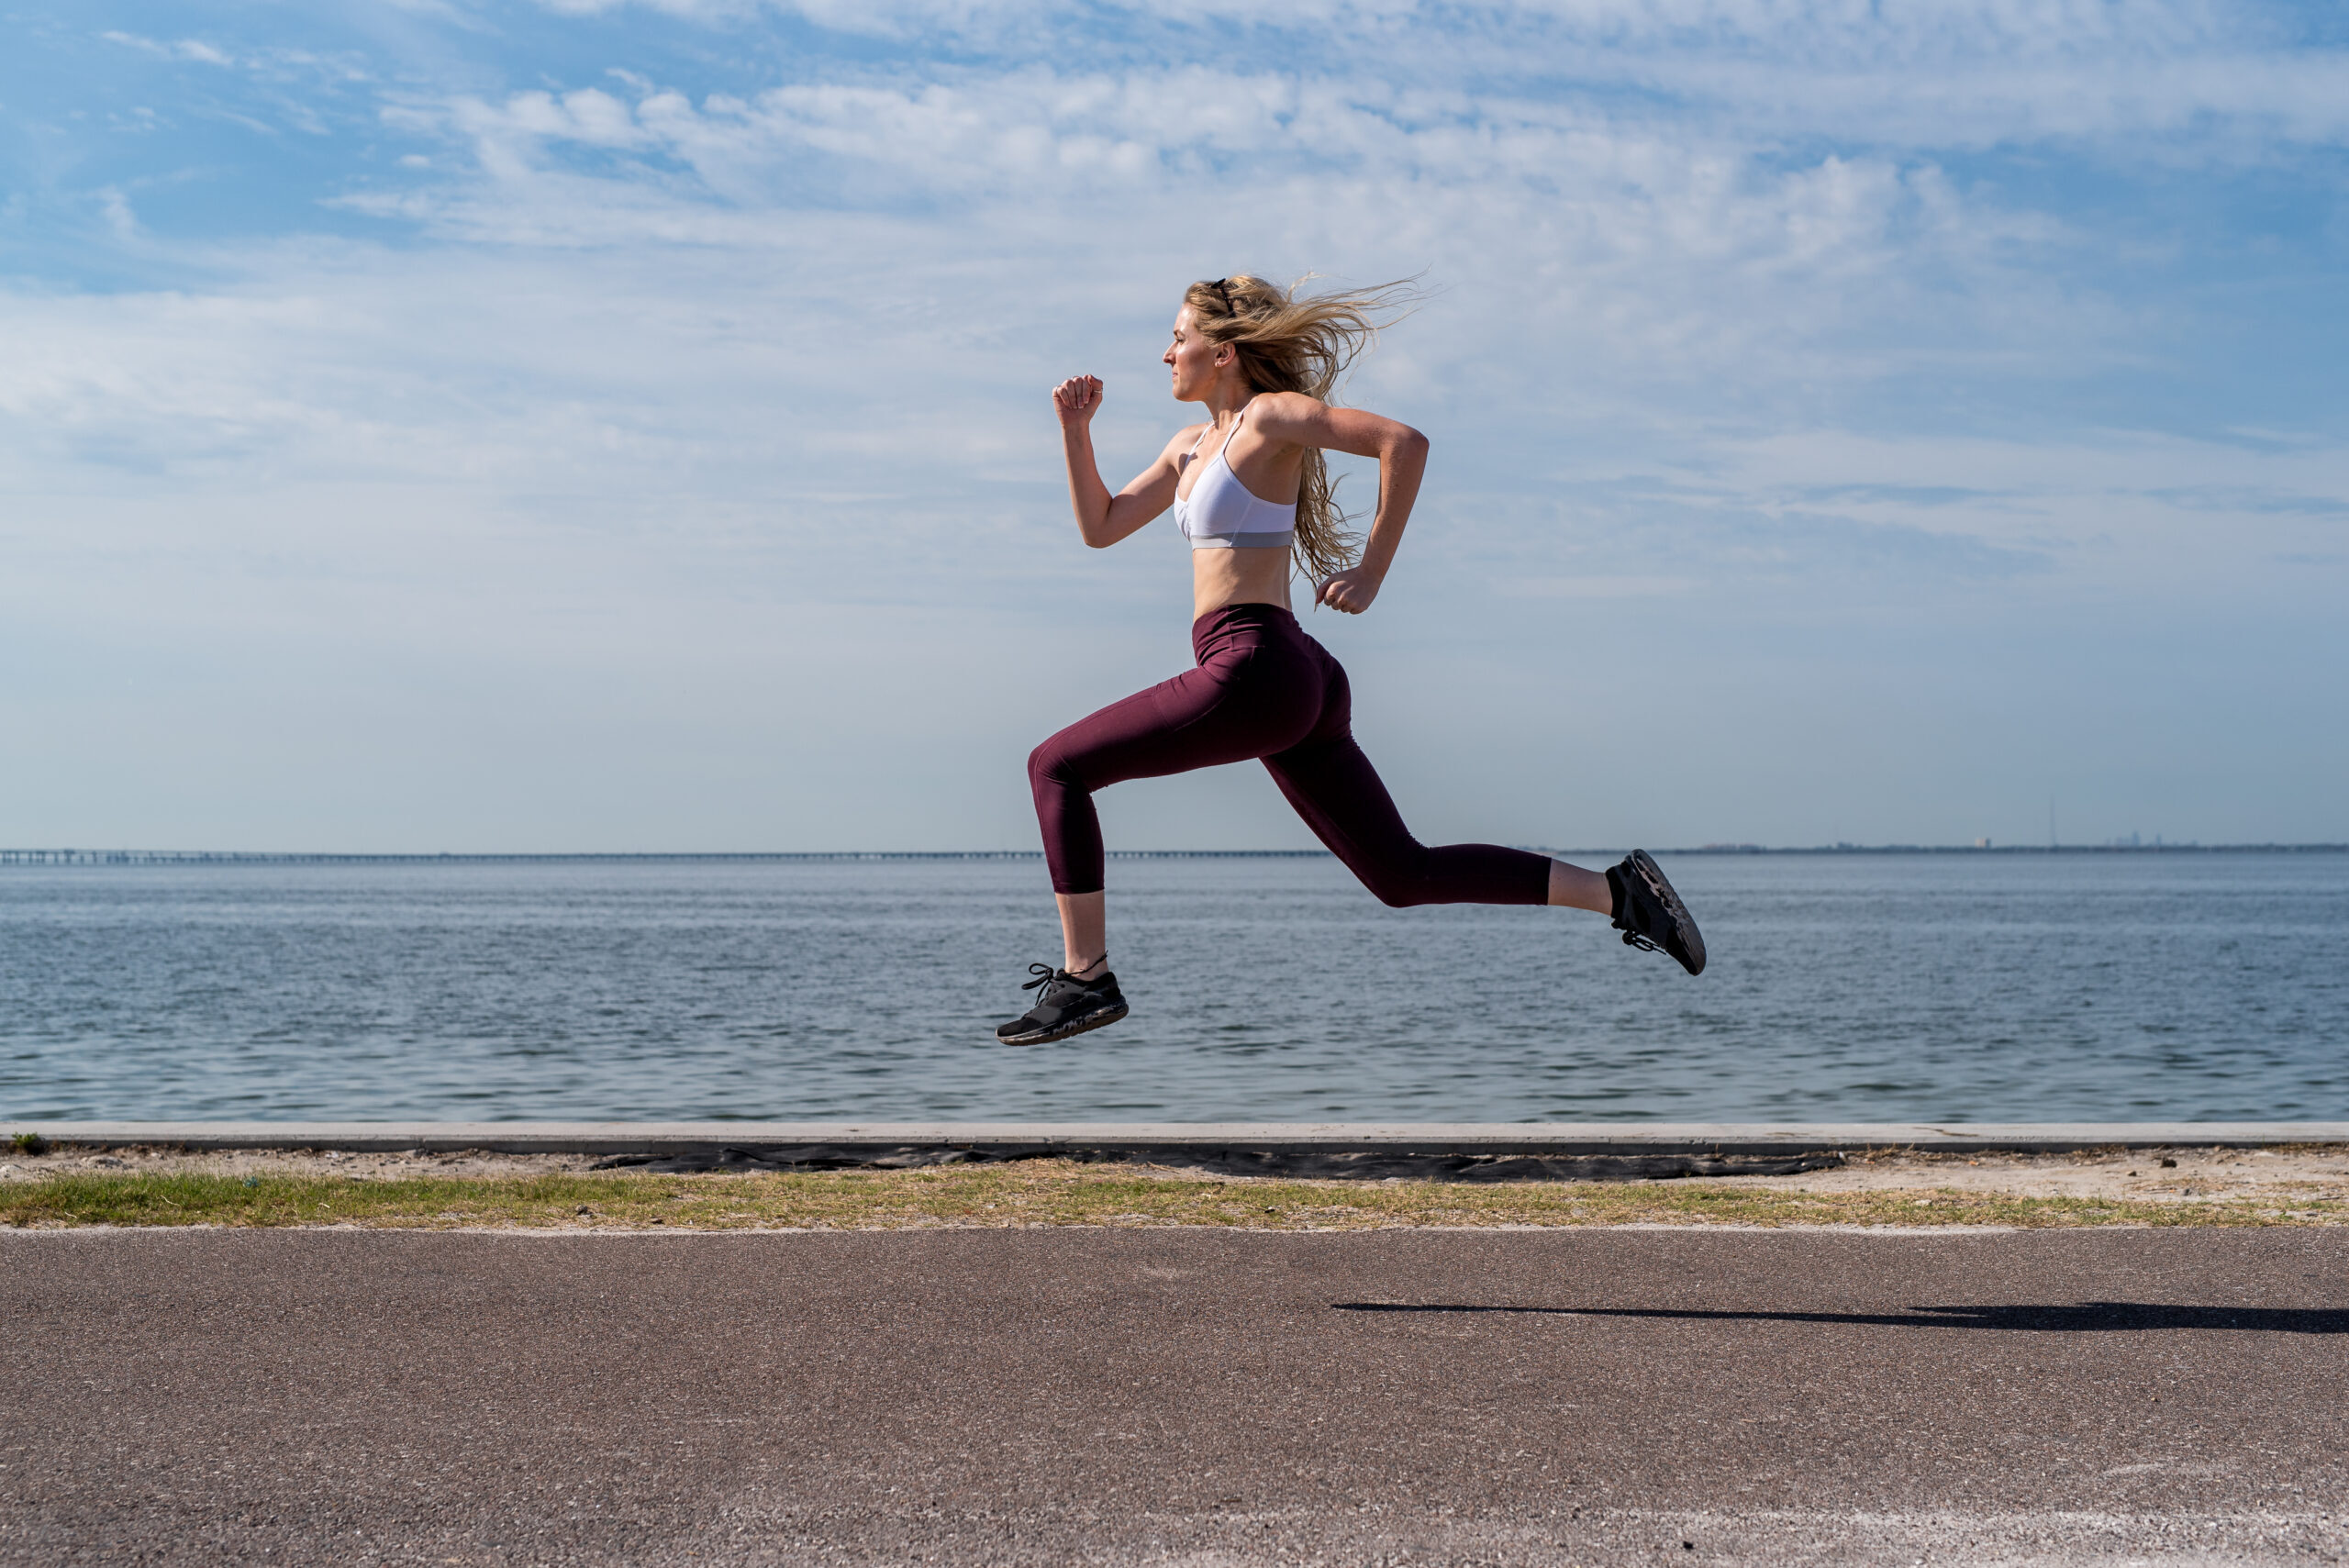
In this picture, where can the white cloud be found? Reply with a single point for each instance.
(1661, 257)
(588, 116)
(1963, 74)
(121, 221)
(962, 241)
(183, 49)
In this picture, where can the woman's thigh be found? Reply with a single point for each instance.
(1225, 711)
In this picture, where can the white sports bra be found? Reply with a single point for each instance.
(1221, 513)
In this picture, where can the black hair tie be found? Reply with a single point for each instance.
(1223, 286)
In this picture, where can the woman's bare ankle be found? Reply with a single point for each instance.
(1576, 888)
(1093, 970)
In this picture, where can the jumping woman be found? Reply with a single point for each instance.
(1263, 362)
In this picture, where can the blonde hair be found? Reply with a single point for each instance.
(1293, 342)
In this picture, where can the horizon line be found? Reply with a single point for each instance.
(79, 857)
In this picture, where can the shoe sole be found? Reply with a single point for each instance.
(1099, 1020)
(1652, 875)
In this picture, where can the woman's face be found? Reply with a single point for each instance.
(1192, 358)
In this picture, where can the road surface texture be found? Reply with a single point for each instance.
(1178, 1397)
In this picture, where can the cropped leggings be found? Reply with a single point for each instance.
(1262, 689)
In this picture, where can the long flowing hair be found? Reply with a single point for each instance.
(1290, 341)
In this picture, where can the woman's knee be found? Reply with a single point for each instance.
(1396, 885)
(1055, 763)
(1042, 762)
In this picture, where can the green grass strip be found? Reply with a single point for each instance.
(1052, 1192)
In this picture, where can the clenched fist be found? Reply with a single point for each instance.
(1075, 399)
(1350, 592)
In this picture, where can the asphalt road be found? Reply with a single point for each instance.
(1175, 1396)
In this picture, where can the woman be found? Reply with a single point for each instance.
(1263, 362)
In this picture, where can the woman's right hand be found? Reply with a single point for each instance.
(1075, 400)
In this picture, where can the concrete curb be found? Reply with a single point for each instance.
(1292, 1137)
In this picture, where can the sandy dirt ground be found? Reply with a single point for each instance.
(2147, 1175)
(2142, 1175)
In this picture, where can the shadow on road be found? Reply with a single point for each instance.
(2082, 1318)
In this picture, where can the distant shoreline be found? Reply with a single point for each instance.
(68, 857)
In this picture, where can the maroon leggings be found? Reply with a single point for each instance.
(1263, 689)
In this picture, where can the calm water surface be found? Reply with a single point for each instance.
(1863, 988)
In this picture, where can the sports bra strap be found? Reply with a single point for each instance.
(1210, 425)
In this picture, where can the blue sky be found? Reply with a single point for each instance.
(437, 426)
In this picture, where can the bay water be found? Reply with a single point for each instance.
(1867, 987)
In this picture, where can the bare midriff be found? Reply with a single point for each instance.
(1221, 577)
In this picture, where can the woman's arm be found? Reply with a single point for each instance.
(1402, 454)
(1101, 517)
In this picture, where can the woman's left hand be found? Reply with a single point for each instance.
(1350, 592)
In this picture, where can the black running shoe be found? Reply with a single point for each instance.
(1068, 1007)
(1649, 915)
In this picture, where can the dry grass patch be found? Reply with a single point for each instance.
(1050, 1193)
